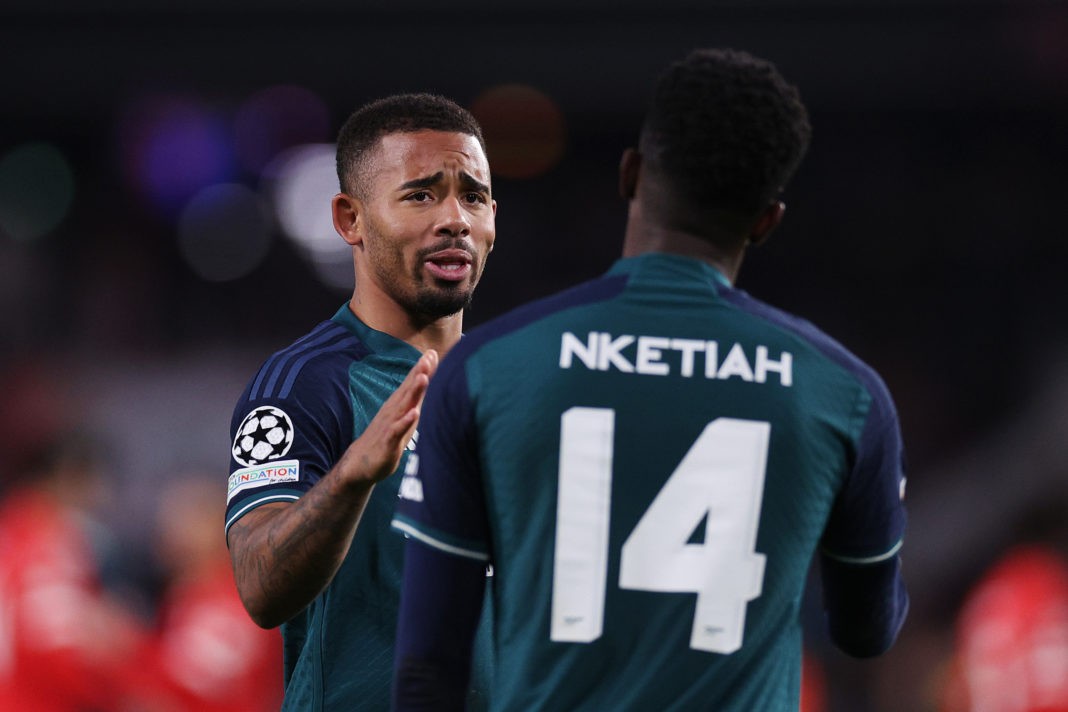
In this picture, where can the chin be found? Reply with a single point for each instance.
(440, 303)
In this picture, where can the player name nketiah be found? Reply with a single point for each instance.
(666, 356)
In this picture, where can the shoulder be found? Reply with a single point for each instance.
(584, 294)
(815, 338)
(319, 360)
(307, 380)
(451, 380)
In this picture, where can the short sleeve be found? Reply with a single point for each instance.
(287, 433)
(867, 522)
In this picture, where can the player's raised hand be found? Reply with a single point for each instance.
(376, 453)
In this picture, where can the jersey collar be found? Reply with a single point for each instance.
(378, 341)
(667, 264)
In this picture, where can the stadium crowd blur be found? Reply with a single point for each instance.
(163, 222)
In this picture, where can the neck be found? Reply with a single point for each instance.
(642, 237)
(383, 314)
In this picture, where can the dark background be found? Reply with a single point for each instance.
(924, 229)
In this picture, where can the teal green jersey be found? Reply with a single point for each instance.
(649, 461)
(297, 416)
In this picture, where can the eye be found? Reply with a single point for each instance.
(474, 197)
(420, 196)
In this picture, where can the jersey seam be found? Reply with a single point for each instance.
(430, 537)
(833, 353)
(875, 559)
(249, 506)
(857, 421)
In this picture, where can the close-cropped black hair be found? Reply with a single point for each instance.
(725, 131)
(400, 113)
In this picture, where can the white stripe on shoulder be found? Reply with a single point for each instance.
(437, 543)
(865, 559)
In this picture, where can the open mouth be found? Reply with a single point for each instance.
(452, 265)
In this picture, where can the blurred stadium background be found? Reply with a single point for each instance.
(165, 171)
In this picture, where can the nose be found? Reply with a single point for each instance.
(453, 220)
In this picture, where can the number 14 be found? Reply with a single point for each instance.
(721, 477)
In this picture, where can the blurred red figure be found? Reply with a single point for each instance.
(64, 645)
(813, 685)
(210, 656)
(1012, 637)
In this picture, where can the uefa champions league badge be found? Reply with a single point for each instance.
(265, 434)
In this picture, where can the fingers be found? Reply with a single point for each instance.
(411, 391)
(415, 385)
(404, 426)
(427, 364)
(379, 448)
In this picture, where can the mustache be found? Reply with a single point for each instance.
(449, 243)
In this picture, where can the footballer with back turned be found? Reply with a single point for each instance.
(651, 460)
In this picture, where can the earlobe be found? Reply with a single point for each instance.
(768, 221)
(493, 204)
(629, 167)
(346, 212)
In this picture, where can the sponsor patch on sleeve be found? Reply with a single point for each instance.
(261, 476)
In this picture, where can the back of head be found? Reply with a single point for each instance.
(400, 113)
(723, 135)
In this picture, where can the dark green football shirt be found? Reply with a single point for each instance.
(650, 461)
(297, 416)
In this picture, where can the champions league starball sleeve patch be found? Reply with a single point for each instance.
(265, 434)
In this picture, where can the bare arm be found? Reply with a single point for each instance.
(284, 555)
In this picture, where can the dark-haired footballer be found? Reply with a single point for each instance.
(651, 460)
(325, 422)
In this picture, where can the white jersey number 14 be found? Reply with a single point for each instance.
(719, 481)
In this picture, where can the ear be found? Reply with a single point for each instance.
(769, 219)
(629, 168)
(347, 213)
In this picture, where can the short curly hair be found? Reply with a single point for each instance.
(724, 131)
(399, 113)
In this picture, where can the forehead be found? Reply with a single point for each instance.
(399, 157)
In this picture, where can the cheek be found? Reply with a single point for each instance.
(399, 255)
(489, 236)
(386, 239)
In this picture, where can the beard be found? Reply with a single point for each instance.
(431, 304)
(423, 297)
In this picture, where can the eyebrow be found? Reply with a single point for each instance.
(423, 182)
(467, 181)
(471, 183)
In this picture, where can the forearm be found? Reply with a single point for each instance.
(284, 555)
(866, 604)
(441, 600)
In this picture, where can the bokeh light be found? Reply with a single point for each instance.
(224, 232)
(172, 147)
(275, 119)
(36, 190)
(524, 130)
(302, 181)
